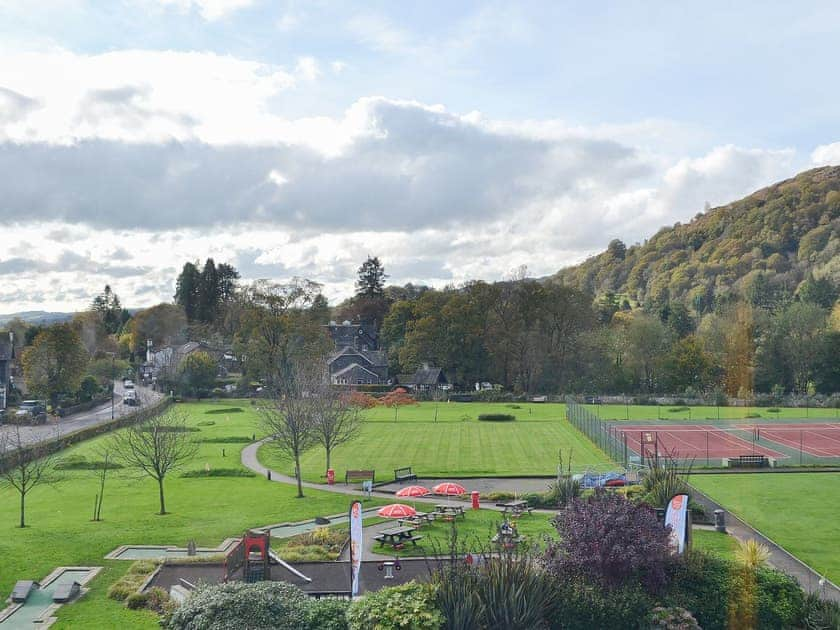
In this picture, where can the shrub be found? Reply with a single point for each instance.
(673, 619)
(260, 606)
(205, 423)
(701, 583)
(411, 606)
(142, 567)
(157, 599)
(230, 439)
(663, 480)
(327, 614)
(752, 415)
(773, 410)
(609, 540)
(564, 491)
(515, 591)
(678, 409)
(820, 614)
(123, 588)
(136, 601)
(780, 599)
(496, 417)
(79, 462)
(499, 496)
(581, 605)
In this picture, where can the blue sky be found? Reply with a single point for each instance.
(295, 138)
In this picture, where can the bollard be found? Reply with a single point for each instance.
(720, 521)
(268, 474)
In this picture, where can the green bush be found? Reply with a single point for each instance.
(205, 423)
(780, 599)
(231, 439)
(672, 619)
(141, 567)
(327, 614)
(820, 614)
(496, 417)
(701, 583)
(80, 462)
(260, 606)
(225, 410)
(136, 601)
(410, 606)
(578, 605)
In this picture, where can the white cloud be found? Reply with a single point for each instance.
(209, 9)
(826, 154)
(307, 68)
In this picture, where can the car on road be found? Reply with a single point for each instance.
(35, 411)
(130, 397)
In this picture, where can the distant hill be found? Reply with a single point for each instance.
(37, 317)
(765, 244)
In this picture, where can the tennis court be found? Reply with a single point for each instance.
(692, 441)
(816, 439)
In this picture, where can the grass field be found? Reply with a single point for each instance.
(798, 511)
(455, 444)
(701, 413)
(207, 510)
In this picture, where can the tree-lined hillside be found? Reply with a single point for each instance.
(764, 249)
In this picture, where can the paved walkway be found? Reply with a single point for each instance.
(96, 416)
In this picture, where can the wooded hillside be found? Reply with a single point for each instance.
(760, 249)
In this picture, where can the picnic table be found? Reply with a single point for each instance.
(418, 519)
(446, 509)
(398, 536)
(516, 508)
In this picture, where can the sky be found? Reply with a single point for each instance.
(454, 140)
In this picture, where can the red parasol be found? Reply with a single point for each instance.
(414, 491)
(397, 510)
(449, 488)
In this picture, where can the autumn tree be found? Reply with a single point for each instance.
(55, 362)
(26, 462)
(397, 398)
(156, 447)
(198, 373)
(163, 324)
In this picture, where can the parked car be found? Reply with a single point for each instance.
(35, 410)
(130, 397)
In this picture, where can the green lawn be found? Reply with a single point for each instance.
(205, 509)
(714, 542)
(636, 413)
(456, 445)
(475, 531)
(798, 511)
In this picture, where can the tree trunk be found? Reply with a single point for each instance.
(298, 476)
(22, 510)
(162, 501)
(328, 458)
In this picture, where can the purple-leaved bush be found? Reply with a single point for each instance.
(608, 540)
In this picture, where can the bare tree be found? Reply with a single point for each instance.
(24, 465)
(337, 421)
(104, 463)
(290, 419)
(156, 446)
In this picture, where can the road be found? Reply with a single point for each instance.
(98, 415)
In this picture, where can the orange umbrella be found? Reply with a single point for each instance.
(450, 489)
(414, 491)
(397, 510)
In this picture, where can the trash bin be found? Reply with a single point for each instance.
(720, 521)
(330, 477)
(474, 495)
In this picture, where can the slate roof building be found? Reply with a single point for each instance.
(424, 378)
(357, 359)
(7, 354)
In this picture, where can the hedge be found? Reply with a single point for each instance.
(496, 417)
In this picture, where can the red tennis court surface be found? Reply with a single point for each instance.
(686, 441)
(817, 439)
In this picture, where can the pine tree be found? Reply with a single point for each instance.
(187, 290)
(371, 282)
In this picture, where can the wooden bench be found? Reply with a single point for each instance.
(749, 461)
(404, 474)
(359, 475)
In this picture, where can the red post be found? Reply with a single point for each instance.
(474, 495)
(330, 476)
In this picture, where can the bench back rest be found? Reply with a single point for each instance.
(360, 474)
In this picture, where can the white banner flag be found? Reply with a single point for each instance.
(355, 546)
(677, 517)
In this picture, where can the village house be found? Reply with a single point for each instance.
(357, 359)
(425, 378)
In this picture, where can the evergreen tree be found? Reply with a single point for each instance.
(110, 311)
(208, 293)
(371, 282)
(187, 291)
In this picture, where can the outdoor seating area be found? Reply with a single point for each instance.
(515, 508)
(402, 475)
(397, 537)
